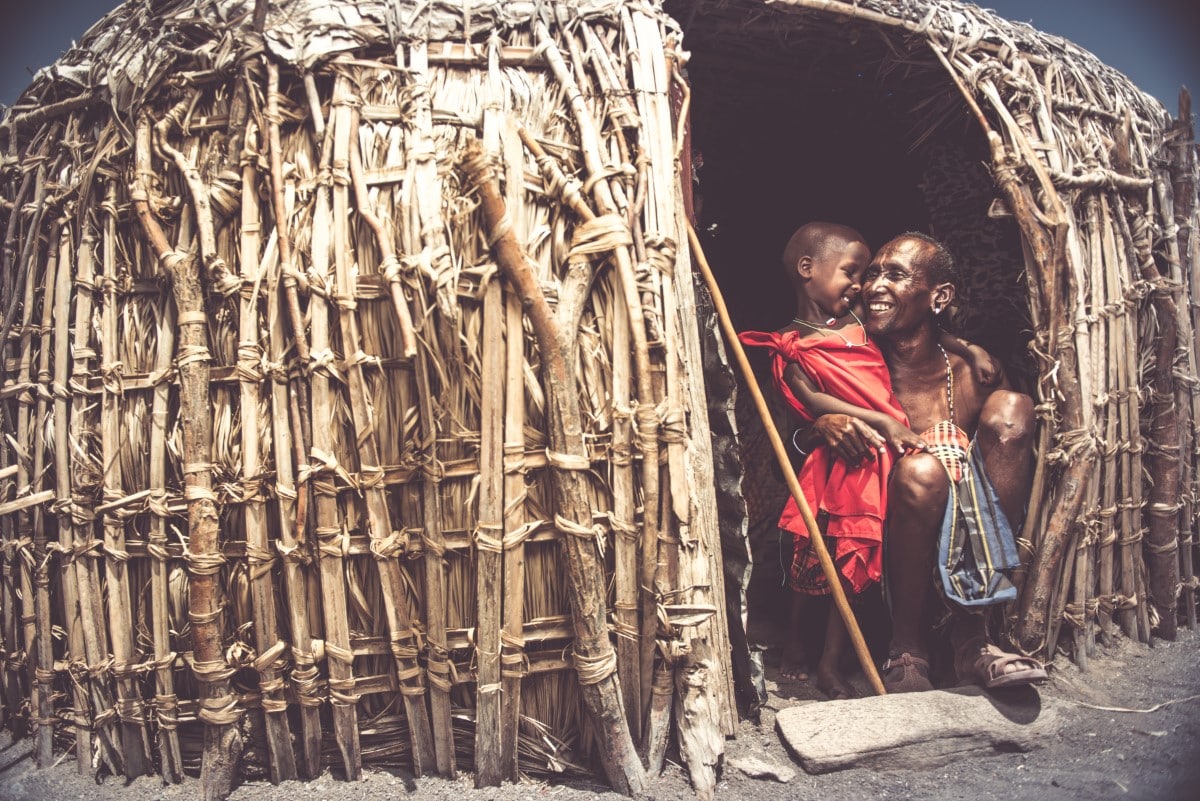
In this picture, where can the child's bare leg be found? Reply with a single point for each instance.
(794, 663)
(829, 676)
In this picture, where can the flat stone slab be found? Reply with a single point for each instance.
(928, 729)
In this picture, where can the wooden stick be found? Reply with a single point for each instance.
(595, 659)
(19, 543)
(385, 544)
(271, 649)
(81, 509)
(165, 700)
(1162, 540)
(44, 666)
(514, 664)
(11, 653)
(389, 265)
(814, 533)
(218, 706)
(325, 502)
(294, 551)
(646, 436)
(1187, 220)
(489, 545)
(425, 206)
(135, 740)
(298, 389)
(62, 482)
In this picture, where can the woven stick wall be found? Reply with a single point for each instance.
(1102, 185)
(351, 400)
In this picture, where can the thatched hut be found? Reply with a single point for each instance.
(339, 337)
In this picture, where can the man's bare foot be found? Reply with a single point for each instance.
(831, 682)
(792, 665)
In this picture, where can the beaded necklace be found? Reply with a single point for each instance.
(849, 344)
(949, 382)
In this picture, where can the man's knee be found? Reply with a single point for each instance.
(919, 481)
(1007, 419)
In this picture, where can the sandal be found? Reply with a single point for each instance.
(906, 673)
(990, 666)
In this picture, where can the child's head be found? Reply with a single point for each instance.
(825, 264)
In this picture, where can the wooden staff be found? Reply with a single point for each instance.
(595, 659)
(270, 648)
(218, 706)
(785, 465)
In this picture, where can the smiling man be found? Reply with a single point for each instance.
(951, 510)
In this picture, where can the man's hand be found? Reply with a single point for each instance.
(850, 439)
(901, 438)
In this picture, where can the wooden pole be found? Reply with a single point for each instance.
(62, 507)
(514, 665)
(785, 465)
(86, 547)
(135, 739)
(165, 700)
(293, 549)
(426, 217)
(385, 542)
(218, 706)
(269, 663)
(43, 672)
(646, 419)
(329, 524)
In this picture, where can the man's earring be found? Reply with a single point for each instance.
(937, 309)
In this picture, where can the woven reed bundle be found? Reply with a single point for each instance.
(316, 450)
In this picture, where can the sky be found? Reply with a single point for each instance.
(1154, 42)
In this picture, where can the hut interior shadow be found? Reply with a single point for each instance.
(793, 119)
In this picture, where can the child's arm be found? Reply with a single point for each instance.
(988, 371)
(884, 430)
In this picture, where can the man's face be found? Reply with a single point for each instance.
(896, 292)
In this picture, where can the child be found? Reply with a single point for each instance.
(823, 363)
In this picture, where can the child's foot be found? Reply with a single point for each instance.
(830, 682)
(792, 664)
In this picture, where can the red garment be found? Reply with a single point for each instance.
(853, 496)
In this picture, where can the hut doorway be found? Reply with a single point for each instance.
(796, 116)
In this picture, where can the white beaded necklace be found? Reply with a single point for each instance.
(849, 344)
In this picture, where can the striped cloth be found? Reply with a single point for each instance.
(976, 549)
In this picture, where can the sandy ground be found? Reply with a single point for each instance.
(1100, 754)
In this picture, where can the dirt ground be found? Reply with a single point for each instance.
(1124, 752)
